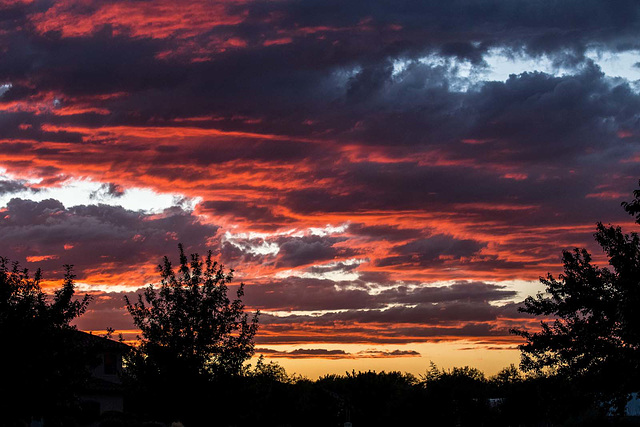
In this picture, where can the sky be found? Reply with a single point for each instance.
(388, 178)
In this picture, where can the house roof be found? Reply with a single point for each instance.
(100, 343)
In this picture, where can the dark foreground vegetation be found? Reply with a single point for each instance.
(265, 396)
(580, 368)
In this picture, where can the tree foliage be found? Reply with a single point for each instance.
(594, 336)
(189, 327)
(372, 398)
(23, 300)
(459, 393)
(41, 357)
(271, 371)
(633, 207)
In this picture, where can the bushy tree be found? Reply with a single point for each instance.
(43, 365)
(507, 377)
(189, 327)
(372, 398)
(272, 371)
(458, 394)
(594, 336)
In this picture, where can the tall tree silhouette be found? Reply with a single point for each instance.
(595, 337)
(43, 364)
(190, 328)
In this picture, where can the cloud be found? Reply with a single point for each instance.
(321, 353)
(444, 313)
(9, 186)
(305, 333)
(304, 294)
(108, 190)
(97, 239)
(252, 213)
(305, 353)
(383, 232)
(429, 314)
(297, 251)
(379, 115)
(432, 250)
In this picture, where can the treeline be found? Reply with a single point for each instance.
(264, 395)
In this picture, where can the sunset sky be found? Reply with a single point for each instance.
(388, 178)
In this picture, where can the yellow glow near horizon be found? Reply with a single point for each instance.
(444, 354)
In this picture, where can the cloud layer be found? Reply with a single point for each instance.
(355, 161)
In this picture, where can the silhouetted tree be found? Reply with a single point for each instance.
(371, 398)
(271, 372)
(192, 334)
(595, 337)
(189, 326)
(457, 396)
(633, 207)
(507, 377)
(42, 364)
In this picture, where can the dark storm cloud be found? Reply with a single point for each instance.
(432, 250)
(110, 63)
(405, 185)
(339, 333)
(247, 210)
(383, 232)
(454, 25)
(461, 291)
(568, 113)
(297, 251)
(446, 313)
(419, 101)
(96, 234)
(530, 122)
(341, 266)
(240, 252)
(9, 186)
(307, 294)
(337, 36)
(25, 125)
(267, 151)
(320, 294)
(289, 251)
(107, 190)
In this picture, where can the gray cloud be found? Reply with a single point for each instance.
(15, 186)
(88, 236)
(336, 354)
